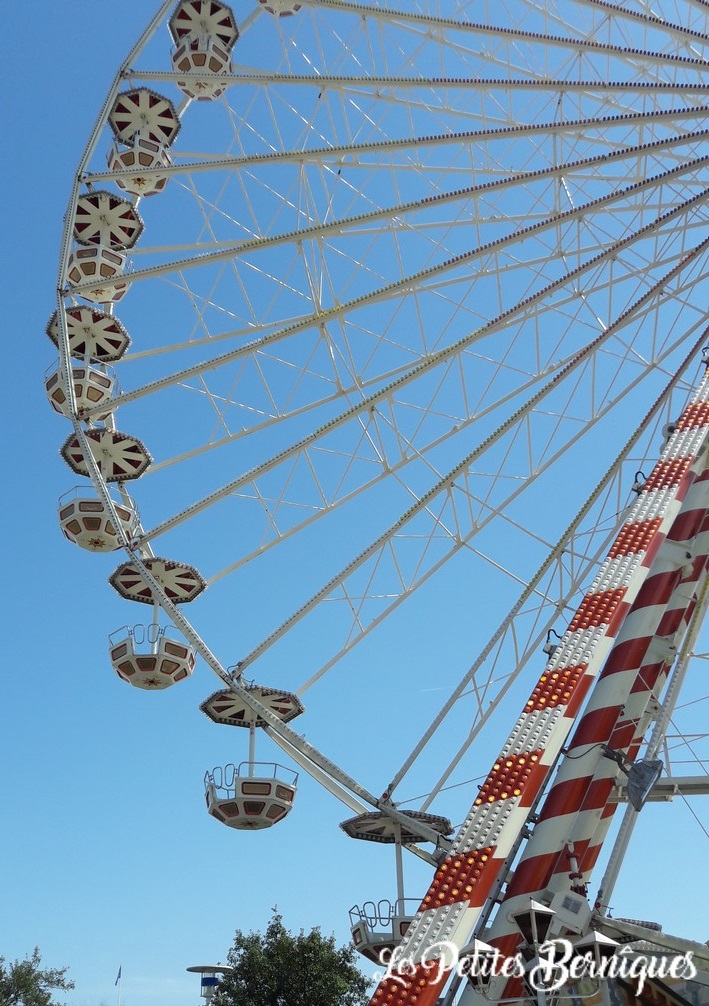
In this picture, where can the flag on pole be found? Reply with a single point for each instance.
(118, 976)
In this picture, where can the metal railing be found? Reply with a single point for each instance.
(224, 777)
(379, 915)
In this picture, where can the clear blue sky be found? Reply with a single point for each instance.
(107, 857)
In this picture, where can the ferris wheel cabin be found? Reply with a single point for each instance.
(86, 522)
(92, 387)
(204, 34)
(140, 161)
(254, 795)
(250, 802)
(379, 927)
(147, 657)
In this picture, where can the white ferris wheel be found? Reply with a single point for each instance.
(375, 323)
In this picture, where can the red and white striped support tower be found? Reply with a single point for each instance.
(475, 867)
(577, 812)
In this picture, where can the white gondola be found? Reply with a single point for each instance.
(140, 160)
(119, 456)
(86, 522)
(100, 267)
(255, 795)
(142, 112)
(281, 8)
(250, 800)
(148, 657)
(192, 18)
(204, 34)
(202, 55)
(92, 387)
(377, 928)
(105, 219)
(91, 333)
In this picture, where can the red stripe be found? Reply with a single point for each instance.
(534, 784)
(623, 735)
(597, 608)
(608, 810)
(579, 696)
(672, 619)
(582, 850)
(531, 874)
(687, 524)
(652, 550)
(567, 796)
(634, 537)
(461, 878)
(592, 853)
(625, 655)
(507, 945)
(666, 474)
(694, 416)
(647, 677)
(596, 726)
(419, 987)
(658, 589)
(555, 688)
(618, 618)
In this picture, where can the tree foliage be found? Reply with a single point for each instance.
(277, 968)
(27, 983)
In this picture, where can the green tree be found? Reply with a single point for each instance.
(277, 968)
(27, 983)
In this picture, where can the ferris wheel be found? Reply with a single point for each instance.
(373, 325)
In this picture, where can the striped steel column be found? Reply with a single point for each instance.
(576, 814)
(469, 873)
(639, 707)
